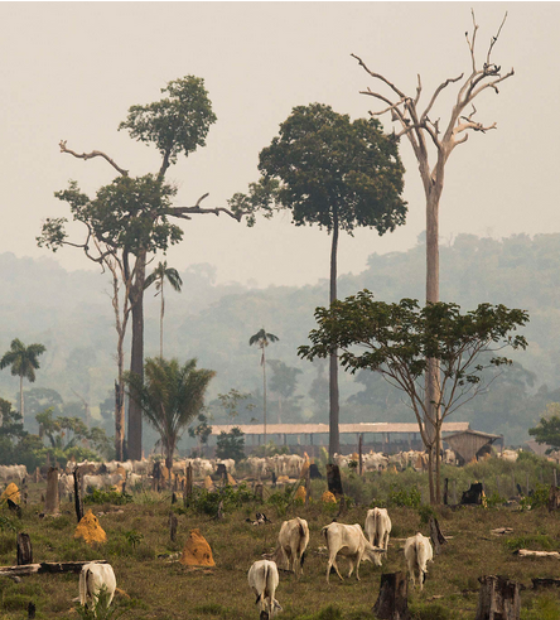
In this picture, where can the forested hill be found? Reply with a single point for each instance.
(71, 314)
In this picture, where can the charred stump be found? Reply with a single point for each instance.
(474, 495)
(173, 522)
(498, 599)
(436, 536)
(187, 494)
(24, 549)
(334, 480)
(78, 503)
(392, 603)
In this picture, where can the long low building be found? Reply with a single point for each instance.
(385, 434)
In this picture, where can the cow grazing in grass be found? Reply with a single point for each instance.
(263, 579)
(349, 541)
(293, 540)
(418, 552)
(93, 578)
(378, 527)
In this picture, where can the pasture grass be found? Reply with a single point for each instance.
(156, 586)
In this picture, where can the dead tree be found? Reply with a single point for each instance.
(498, 599)
(78, 503)
(431, 138)
(392, 603)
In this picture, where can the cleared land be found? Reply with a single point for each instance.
(159, 588)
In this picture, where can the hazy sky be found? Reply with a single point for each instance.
(71, 70)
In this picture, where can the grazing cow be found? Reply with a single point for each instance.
(349, 540)
(93, 578)
(264, 579)
(418, 552)
(378, 527)
(293, 540)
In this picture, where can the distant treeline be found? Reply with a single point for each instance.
(71, 314)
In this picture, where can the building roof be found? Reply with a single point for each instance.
(363, 427)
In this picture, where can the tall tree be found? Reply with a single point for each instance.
(397, 340)
(159, 275)
(262, 339)
(338, 174)
(23, 361)
(170, 398)
(129, 218)
(434, 141)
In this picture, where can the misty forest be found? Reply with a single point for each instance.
(71, 314)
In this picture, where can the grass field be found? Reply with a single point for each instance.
(157, 587)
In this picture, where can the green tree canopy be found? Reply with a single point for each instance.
(336, 173)
(548, 429)
(398, 340)
(23, 361)
(170, 398)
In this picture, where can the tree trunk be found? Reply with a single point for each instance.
(498, 599)
(432, 396)
(21, 399)
(119, 420)
(137, 357)
(334, 436)
(264, 396)
(51, 503)
(392, 603)
(161, 321)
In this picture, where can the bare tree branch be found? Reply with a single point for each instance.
(86, 156)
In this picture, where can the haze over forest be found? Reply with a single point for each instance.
(70, 313)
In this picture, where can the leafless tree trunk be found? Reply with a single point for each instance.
(334, 409)
(427, 137)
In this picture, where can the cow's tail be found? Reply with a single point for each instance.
(83, 586)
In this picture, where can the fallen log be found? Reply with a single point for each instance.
(545, 583)
(46, 567)
(526, 553)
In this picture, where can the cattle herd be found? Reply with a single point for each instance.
(348, 540)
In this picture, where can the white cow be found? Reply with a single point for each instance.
(378, 527)
(418, 552)
(349, 540)
(293, 540)
(264, 579)
(93, 578)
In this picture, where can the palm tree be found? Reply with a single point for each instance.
(23, 361)
(262, 339)
(170, 398)
(161, 273)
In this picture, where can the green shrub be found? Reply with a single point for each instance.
(409, 497)
(425, 512)
(536, 542)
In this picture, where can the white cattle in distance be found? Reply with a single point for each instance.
(12, 472)
(264, 579)
(418, 552)
(349, 541)
(293, 539)
(93, 578)
(378, 527)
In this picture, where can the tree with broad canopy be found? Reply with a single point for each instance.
(129, 219)
(398, 340)
(335, 173)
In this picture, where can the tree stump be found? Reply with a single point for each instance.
(24, 549)
(259, 490)
(436, 536)
(78, 504)
(446, 492)
(392, 603)
(31, 611)
(498, 599)
(334, 480)
(187, 495)
(173, 522)
(51, 503)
